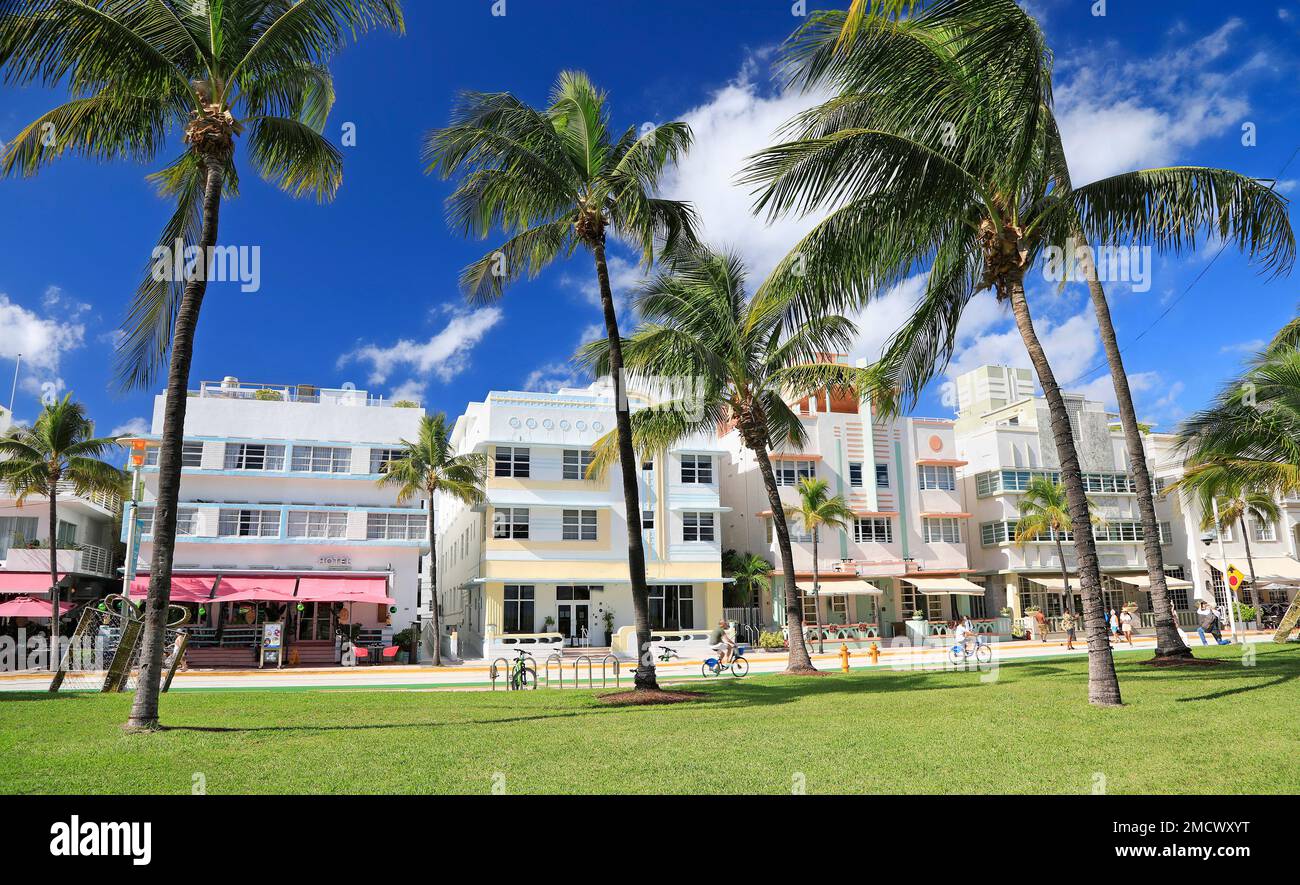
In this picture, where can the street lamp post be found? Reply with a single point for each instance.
(1223, 557)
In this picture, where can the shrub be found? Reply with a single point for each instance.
(405, 404)
(771, 640)
(1245, 613)
(268, 395)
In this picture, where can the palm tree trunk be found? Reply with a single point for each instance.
(817, 598)
(144, 710)
(1103, 685)
(1168, 643)
(431, 581)
(798, 662)
(1065, 573)
(645, 679)
(1250, 559)
(54, 574)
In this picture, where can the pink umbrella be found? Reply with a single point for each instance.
(26, 607)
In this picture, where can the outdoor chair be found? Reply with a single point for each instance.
(389, 654)
(362, 654)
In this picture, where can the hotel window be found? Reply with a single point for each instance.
(192, 454)
(575, 592)
(647, 519)
(151, 456)
(321, 459)
(379, 459)
(16, 531)
(579, 525)
(254, 456)
(395, 526)
(932, 476)
(882, 476)
(942, 530)
(647, 466)
(1262, 530)
(697, 469)
(249, 524)
(672, 607)
(879, 530)
(789, 473)
(67, 533)
(510, 522)
(519, 602)
(855, 474)
(1177, 595)
(913, 600)
(1216, 583)
(186, 520)
(797, 533)
(318, 524)
(511, 461)
(697, 526)
(576, 463)
(1166, 533)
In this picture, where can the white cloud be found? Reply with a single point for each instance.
(133, 427)
(1253, 346)
(42, 341)
(551, 377)
(411, 389)
(444, 356)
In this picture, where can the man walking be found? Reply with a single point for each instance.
(1207, 621)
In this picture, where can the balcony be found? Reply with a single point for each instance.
(84, 559)
(291, 393)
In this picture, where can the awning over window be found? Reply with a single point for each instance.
(1275, 569)
(1143, 582)
(185, 588)
(842, 588)
(26, 583)
(27, 607)
(943, 586)
(1057, 584)
(361, 589)
(256, 589)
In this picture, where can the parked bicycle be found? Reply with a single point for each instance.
(738, 666)
(979, 649)
(522, 674)
(667, 654)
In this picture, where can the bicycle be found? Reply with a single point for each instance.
(738, 666)
(667, 654)
(521, 672)
(962, 652)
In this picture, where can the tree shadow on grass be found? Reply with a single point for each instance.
(17, 696)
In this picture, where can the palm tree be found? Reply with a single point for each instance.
(750, 575)
(926, 157)
(817, 508)
(60, 448)
(1239, 505)
(554, 179)
(698, 322)
(426, 468)
(1045, 512)
(216, 70)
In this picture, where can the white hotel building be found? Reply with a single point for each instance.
(543, 563)
(278, 495)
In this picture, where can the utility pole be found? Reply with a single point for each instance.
(13, 390)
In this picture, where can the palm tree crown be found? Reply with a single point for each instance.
(818, 508)
(428, 466)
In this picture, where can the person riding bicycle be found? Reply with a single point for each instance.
(723, 641)
(961, 633)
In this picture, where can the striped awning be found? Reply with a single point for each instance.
(842, 588)
(944, 586)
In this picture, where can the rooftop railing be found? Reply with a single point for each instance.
(295, 393)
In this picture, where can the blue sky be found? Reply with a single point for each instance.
(364, 289)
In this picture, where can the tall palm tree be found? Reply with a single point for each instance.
(1045, 512)
(925, 157)
(1238, 506)
(750, 575)
(426, 468)
(60, 448)
(818, 508)
(215, 70)
(699, 322)
(554, 179)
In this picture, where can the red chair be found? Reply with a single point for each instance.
(362, 654)
(389, 654)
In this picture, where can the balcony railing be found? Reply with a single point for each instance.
(107, 500)
(84, 559)
(291, 393)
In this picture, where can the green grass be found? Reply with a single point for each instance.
(1224, 729)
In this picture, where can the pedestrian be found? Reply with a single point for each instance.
(1040, 625)
(1067, 624)
(1126, 625)
(1112, 621)
(1207, 621)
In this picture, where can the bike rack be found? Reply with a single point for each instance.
(604, 662)
(591, 681)
(494, 673)
(559, 664)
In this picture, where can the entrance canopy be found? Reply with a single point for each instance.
(273, 588)
(26, 583)
(945, 586)
(1276, 569)
(842, 588)
(1143, 582)
(1057, 584)
(256, 589)
(362, 589)
(185, 588)
(26, 607)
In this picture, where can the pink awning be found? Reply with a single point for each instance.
(185, 588)
(361, 589)
(244, 589)
(26, 607)
(26, 583)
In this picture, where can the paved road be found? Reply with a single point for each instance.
(474, 675)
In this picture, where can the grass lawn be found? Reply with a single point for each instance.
(1029, 731)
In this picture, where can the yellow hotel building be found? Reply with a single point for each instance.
(543, 563)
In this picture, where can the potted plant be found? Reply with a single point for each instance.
(547, 623)
(609, 626)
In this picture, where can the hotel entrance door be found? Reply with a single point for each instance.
(573, 621)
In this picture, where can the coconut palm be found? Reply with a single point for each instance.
(818, 508)
(1045, 513)
(925, 159)
(750, 575)
(700, 323)
(425, 469)
(59, 449)
(1236, 505)
(554, 179)
(215, 70)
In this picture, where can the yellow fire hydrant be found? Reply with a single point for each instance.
(874, 651)
(844, 657)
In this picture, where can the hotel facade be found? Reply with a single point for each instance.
(281, 517)
(542, 564)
